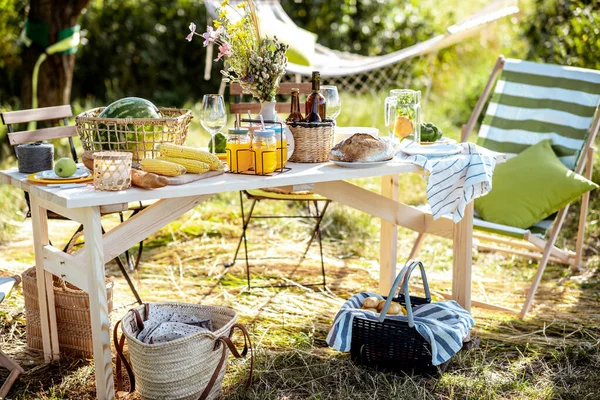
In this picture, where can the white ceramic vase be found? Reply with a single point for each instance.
(267, 110)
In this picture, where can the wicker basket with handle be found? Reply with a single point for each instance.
(136, 135)
(188, 368)
(72, 315)
(392, 345)
(312, 141)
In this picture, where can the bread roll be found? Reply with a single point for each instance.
(362, 147)
(370, 302)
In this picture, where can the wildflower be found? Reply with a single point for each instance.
(224, 50)
(210, 36)
(224, 3)
(192, 31)
(242, 5)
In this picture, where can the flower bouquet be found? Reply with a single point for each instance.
(257, 63)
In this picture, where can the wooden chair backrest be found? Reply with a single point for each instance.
(239, 107)
(40, 114)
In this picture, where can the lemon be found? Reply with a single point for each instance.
(401, 126)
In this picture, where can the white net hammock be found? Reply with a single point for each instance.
(364, 74)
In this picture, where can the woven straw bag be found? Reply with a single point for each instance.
(72, 315)
(188, 368)
(312, 141)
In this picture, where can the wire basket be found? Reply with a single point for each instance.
(138, 136)
(312, 141)
(72, 315)
(392, 345)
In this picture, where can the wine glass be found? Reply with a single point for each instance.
(213, 116)
(333, 103)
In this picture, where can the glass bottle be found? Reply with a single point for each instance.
(295, 114)
(264, 147)
(313, 115)
(316, 96)
(239, 157)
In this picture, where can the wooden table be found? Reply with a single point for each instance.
(85, 268)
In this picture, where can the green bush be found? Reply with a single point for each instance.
(564, 32)
(138, 48)
(370, 27)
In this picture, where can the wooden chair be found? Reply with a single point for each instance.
(254, 196)
(525, 88)
(6, 284)
(58, 132)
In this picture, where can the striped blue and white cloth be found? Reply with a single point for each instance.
(444, 325)
(454, 181)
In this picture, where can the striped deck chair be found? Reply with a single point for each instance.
(534, 102)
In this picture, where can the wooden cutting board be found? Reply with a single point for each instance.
(187, 178)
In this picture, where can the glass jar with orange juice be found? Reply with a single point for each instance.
(239, 155)
(403, 114)
(282, 147)
(264, 149)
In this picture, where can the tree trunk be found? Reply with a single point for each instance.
(56, 72)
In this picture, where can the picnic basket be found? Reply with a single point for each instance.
(72, 315)
(188, 368)
(392, 345)
(136, 135)
(312, 141)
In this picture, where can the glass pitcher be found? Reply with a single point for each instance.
(403, 114)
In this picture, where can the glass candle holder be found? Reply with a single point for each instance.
(112, 170)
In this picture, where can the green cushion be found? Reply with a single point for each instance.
(530, 187)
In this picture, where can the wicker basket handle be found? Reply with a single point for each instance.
(228, 344)
(121, 359)
(404, 276)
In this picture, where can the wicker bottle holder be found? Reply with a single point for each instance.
(312, 141)
(138, 136)
(72, 315)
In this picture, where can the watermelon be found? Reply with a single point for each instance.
(129, 107)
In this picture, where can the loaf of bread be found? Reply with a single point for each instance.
(362, 147)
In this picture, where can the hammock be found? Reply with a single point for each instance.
(363, 73)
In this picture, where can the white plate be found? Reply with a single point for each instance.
(81, 172)
(443, 140)
(360, 164)
(432, 150)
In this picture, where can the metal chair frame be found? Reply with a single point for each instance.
(317, 216)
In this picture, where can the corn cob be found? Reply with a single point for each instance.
(191, 166)
(173, 150)
(162, 167)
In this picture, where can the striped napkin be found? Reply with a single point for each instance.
(444, 325)
(456, 180)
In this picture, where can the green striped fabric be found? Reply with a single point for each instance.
(534, 102)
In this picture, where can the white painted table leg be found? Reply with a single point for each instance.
(94, 260)
(39, 218)
(388, 238)
(463, 259)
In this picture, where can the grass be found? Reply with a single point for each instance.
(552, 354)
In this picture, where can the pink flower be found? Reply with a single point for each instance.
(210, 36)
(192, 31)
(224, 50)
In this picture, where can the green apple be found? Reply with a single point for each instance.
(65, 167)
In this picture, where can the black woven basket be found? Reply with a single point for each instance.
(391, 345)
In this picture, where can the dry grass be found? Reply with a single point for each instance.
(553, 354)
